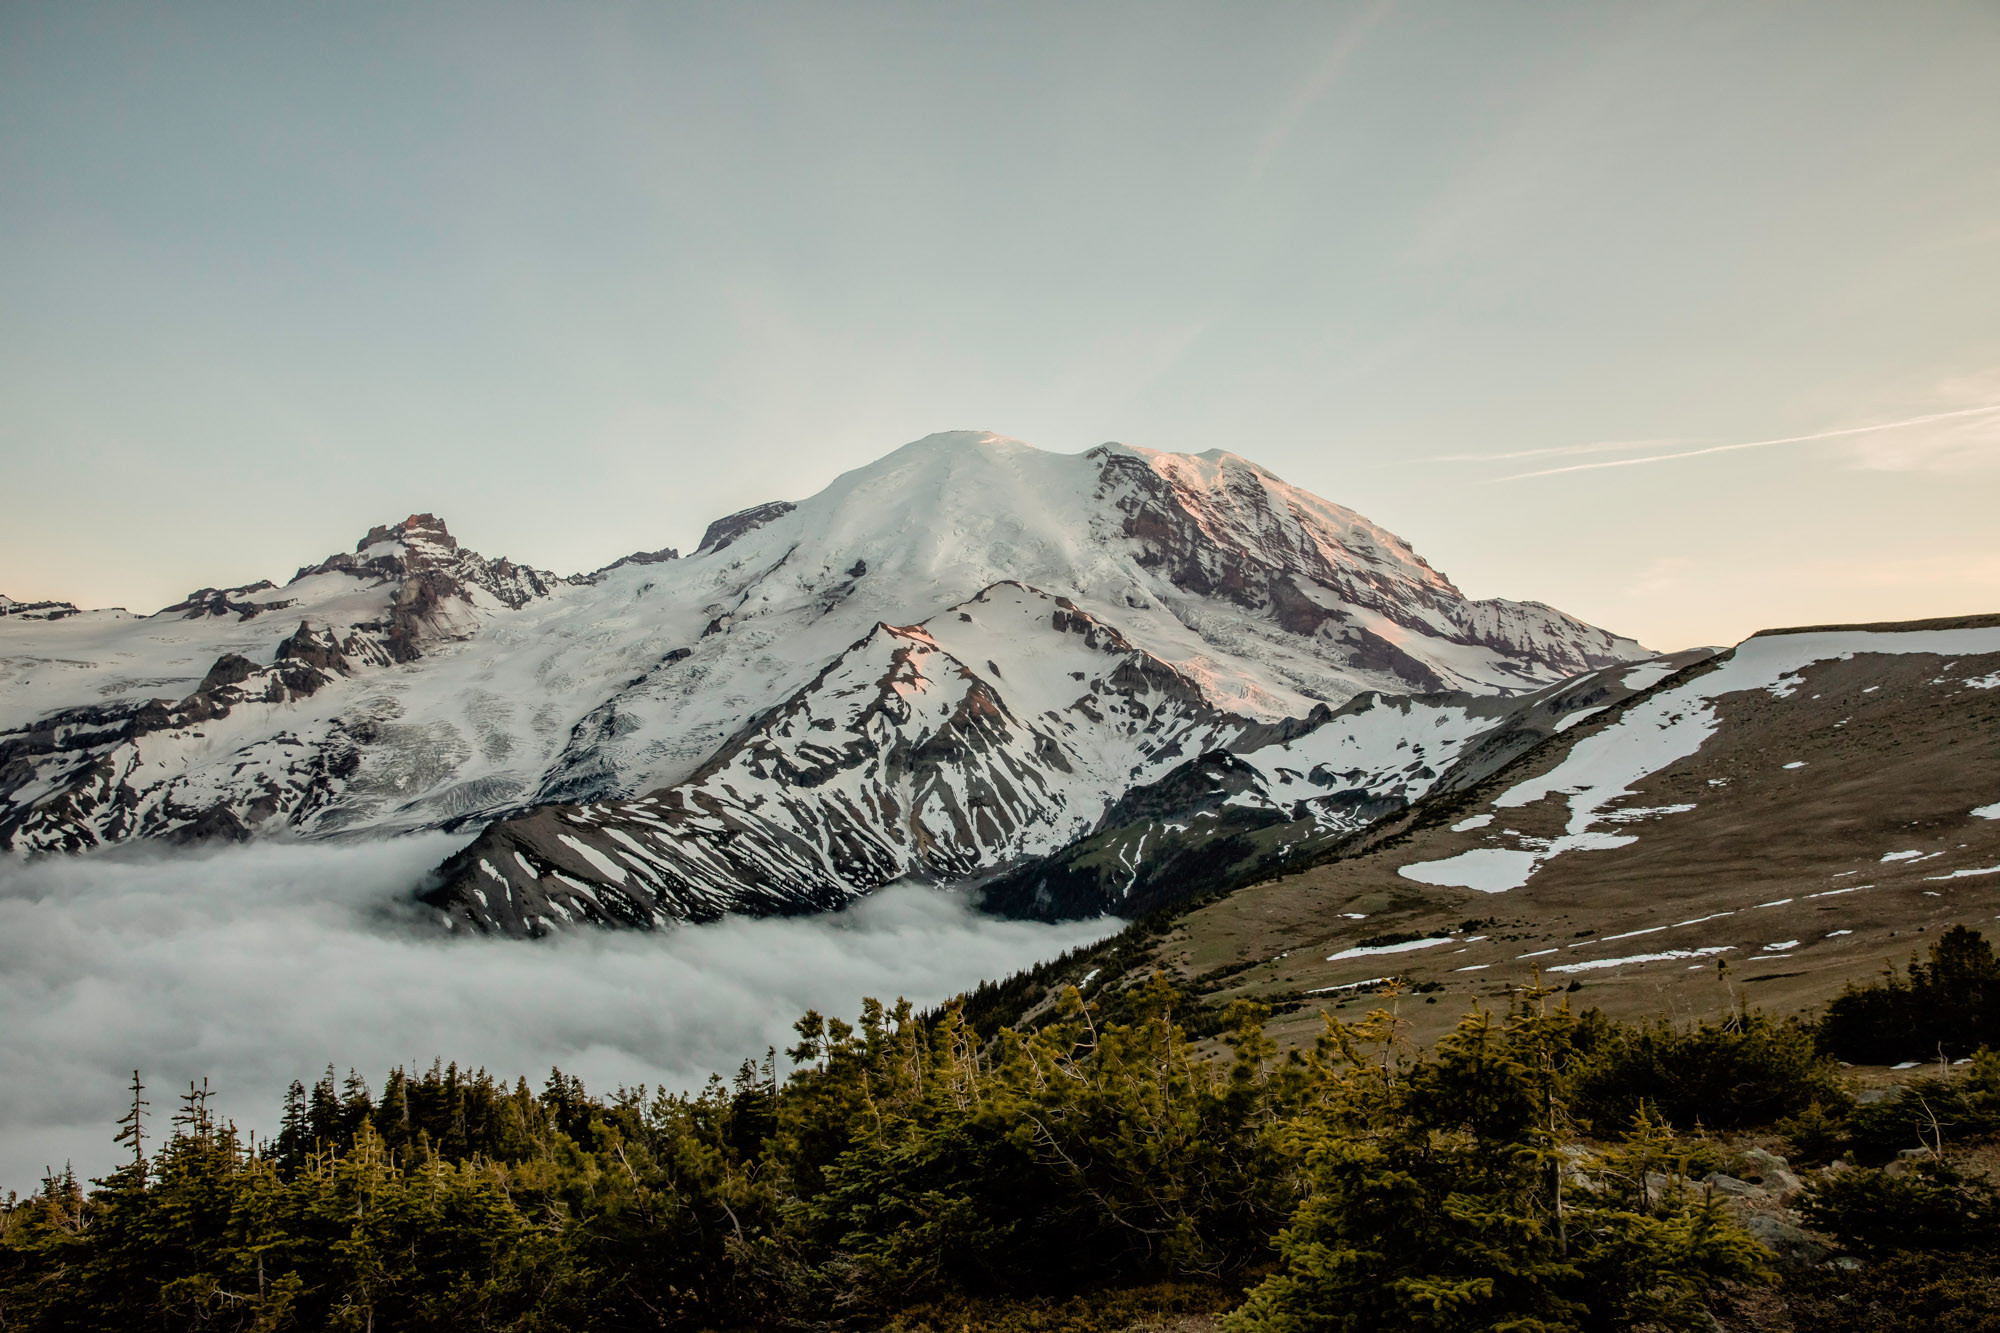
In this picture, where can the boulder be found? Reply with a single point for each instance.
(1775, 1172)
(1790, 1246)
(1730, 1185)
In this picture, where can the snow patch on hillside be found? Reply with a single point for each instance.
(1602, 768)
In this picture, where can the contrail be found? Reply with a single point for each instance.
(1315, 87)
(1600, 447)
(1758, 444)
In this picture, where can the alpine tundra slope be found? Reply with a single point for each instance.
(1758, 826)
(951, 659)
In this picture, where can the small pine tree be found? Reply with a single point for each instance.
(1437, 1204)
(131, 1129)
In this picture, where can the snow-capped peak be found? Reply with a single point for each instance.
(453, 688)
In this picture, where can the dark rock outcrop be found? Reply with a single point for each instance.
(659, 557)
(37, 610)
(436, 582)
(728, 528)
(225, 602)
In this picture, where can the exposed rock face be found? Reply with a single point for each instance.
(434, 580)
(225, 602)
(1218, 525)
(318, 648)
(726, 530)
(658, 557)
(36, 610)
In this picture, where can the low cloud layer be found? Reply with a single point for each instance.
(254, 966)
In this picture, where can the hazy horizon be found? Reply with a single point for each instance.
(1677, 318)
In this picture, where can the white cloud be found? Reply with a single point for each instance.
(254, 966)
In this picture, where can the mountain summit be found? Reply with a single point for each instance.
(954, 657)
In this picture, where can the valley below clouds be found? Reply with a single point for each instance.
(253, 966)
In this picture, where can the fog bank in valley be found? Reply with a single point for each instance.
(253, 966)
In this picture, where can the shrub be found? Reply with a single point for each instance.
(1748, 1070)
(1933, 1208)
(1903, 1293)
(1439, 1203)
(1932, 1111)
(1813, 1134)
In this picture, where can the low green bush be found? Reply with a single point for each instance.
(1902, 1293)
(1931, 1207)
(1745, 1071)
(1943, 1109)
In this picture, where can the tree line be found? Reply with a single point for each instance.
(1535, 1170)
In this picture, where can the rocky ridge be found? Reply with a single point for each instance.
(80, 777)
(36, 610)
(995, 730)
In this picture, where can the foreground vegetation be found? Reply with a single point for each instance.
(1537, 1171)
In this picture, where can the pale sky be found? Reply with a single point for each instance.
(581, 277)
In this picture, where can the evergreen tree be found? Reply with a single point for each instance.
(1947, 1007)
(295, 1138)
(324, 1121)
(1437, 1205)
(131, 1128)
(910, 1158)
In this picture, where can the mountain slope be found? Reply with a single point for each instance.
(1797, 810)
(996, 729)
(244, 747)
(1283, 801)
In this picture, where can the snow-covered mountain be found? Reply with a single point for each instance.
(91, 751)
(840, 687)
